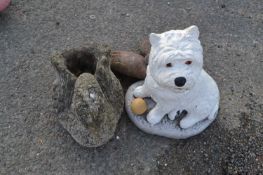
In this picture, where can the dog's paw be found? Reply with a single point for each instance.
(155, 116)
(152, 119)
(173, 114)
(138, 92)
(188, 122)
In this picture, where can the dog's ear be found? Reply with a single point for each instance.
(192, 31)
(154, 39)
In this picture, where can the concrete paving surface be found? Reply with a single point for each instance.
(32, 141)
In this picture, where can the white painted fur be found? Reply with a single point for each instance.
(199, 96)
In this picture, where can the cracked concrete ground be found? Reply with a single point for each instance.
(32, 141)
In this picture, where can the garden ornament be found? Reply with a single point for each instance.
(181, 97)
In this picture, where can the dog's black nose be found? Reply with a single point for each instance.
(180, 81)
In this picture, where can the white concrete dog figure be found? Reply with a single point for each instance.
(176, 80)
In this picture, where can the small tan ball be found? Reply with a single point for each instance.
(138, 106)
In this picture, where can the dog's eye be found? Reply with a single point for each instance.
(169, 65)
(188, 62)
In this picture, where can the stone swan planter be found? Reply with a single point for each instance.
(88, 98)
